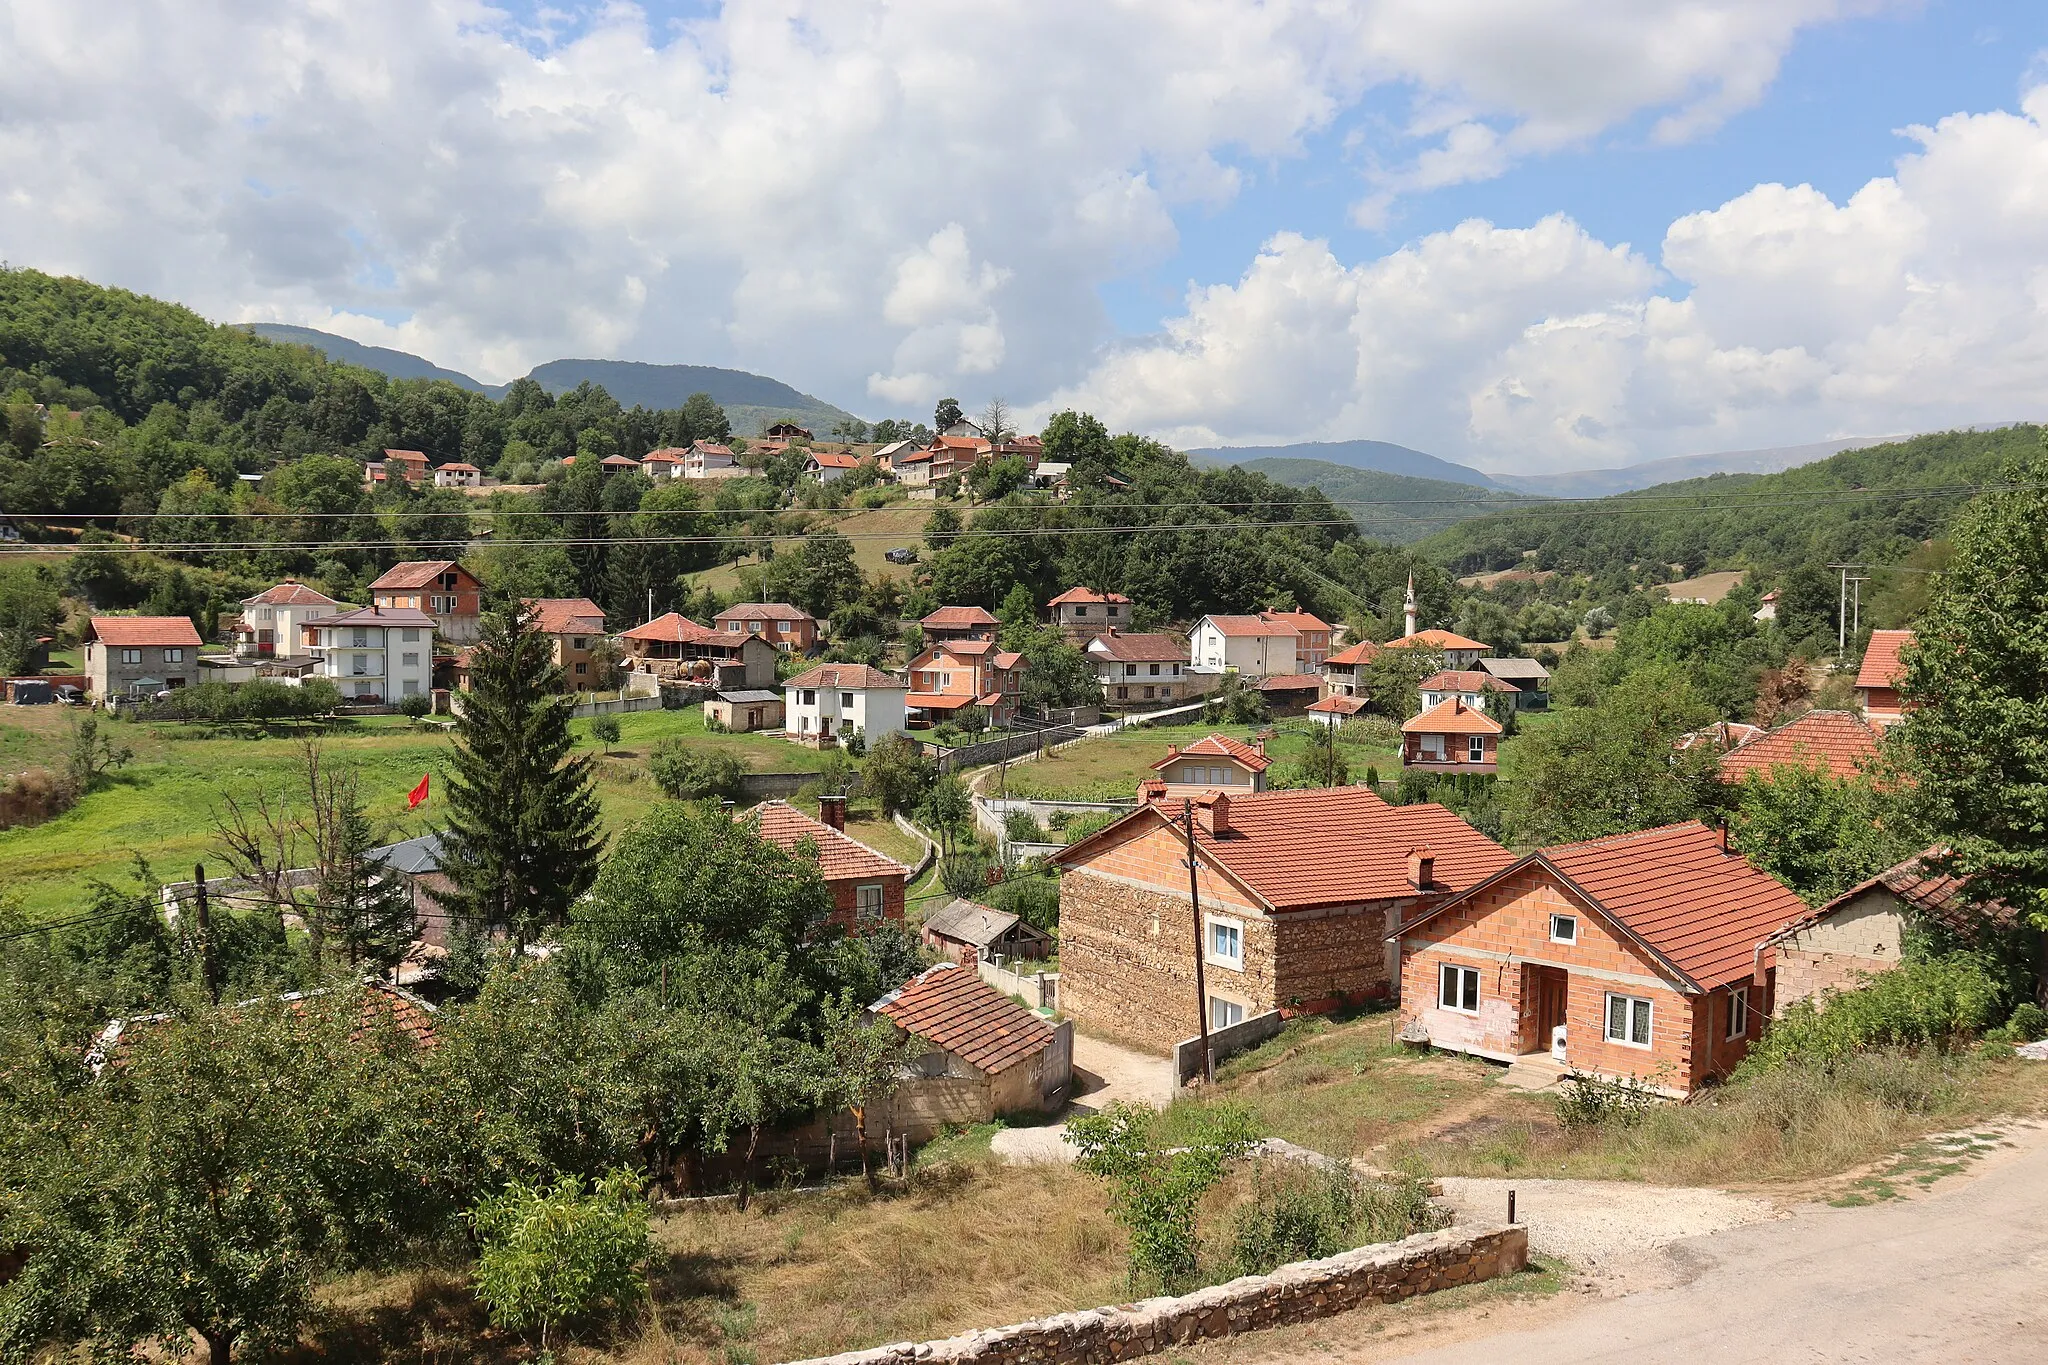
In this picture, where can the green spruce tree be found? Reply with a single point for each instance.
(522, 838)
(367, 906)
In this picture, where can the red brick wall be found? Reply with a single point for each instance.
(843, 908)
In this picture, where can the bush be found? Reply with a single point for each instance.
(553, 1254)
(1939, 1002)
(2028, 1023)
(686, 776)
(1302, 1212)
(1584, 1102)
(1020, 827)
(415, 707)
(35, 795)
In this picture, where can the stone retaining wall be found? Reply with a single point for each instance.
(1301, 1292)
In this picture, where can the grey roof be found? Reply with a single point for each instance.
(750, 697)
(1510, 670)
(412, 856)
(966, 922)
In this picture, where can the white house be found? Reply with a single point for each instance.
(1139, 668)
(825, 704)
(1468, 686)
(1256, 646)
(374, 654)
(665, 464)
(273, 621)
(829, 466)
(709, 460)
(458, 475)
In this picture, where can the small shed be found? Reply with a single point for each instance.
(969, 932)
(988, 1054)
(745, 710)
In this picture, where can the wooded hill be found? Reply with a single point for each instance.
(1873, 506)
(1398, 508)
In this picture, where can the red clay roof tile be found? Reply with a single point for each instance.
(1452, 717)
(953, 1008)
(1836, 741)
(144, 630)
(841, 856)
(1881, 664)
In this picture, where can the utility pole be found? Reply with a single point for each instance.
(1856, 605)
(1842, 606)
(209, 970)
(1187, 815)
(650, 604)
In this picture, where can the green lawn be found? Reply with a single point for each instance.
(163, 804)
(1110, 767)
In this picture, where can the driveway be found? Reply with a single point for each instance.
(1104, 1073)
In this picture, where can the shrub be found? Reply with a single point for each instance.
(1938, 1002)
(684, 776)
(553, 1254)
(1154, 1190)
(1584, 1102)
(35, 795)
(415, 707)
(2028, 1023)
(1303, 1212)
(1020, 827)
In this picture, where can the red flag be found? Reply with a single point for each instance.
(419, 793)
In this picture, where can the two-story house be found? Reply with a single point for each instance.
(1083, 613)
(441, 588)
(830, 466)
(790, 629)
(954, 674)
(1254, 646)
(1642, 956)
(409, 465)
(373, 654)
(128, 656)
(271, 620)
(1877, 681)
(867, 887)
(1343, 672)
(573, 624)
(710, 460)
(674, 645)
(458, 474)
(1298, 891)
(1471, 687)
(822, 706)
(1312, 646)
(1451, 738)
(958, 623)
(1212, 763)
(664, 465)
(1134, 669)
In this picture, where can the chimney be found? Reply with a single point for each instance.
(1259, 747)
(1421, 867)
(1213, 810)
(832, 810)
(1722, 833)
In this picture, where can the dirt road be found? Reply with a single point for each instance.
(1103, 1074)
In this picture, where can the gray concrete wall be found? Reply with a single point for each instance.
(1225, 1042)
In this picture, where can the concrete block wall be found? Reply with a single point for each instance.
(1302, 1292)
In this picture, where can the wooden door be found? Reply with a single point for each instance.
(1549, 987)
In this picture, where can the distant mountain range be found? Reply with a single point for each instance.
(751, 401)
(1382, 456)
(1399, 508)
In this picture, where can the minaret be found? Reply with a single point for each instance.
(1408, 607)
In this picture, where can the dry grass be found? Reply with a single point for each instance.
(892, 528)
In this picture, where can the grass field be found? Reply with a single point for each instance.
(1109, 767)
(874, 534)
(162, 805)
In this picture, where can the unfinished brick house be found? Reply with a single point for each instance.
(1299, 891)
(1877, 681)
(1642, 955)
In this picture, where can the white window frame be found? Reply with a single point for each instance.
(1647, 1014)
(806, 696)
(1475, 749)
(1460, 983)
(1223, 927)
(846, 701)
(1221, 1011)
(1738, 1015)
(174, 656)
(1571, 936)
(869, 903)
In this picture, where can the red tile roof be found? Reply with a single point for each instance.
(974, 443)
(1324, 846)
(846, 675)
(712, 448)
(958, 618)
(1453, 680)
(952, 1008)
(460, 468)
(763, 611)
(665, 455)
(1833, 740)
(620, 462)
(1434, 639)
(1251, 626)
(1007, 659)
(1139, 649)
(1702, 909)
(1881, 665)
(1939, 896)
(1452, 717)
(418, 573)
(1302, 621)
(674, 629)
(566, 615)
(409, 456)
(144, 630)
(1337, 704)
(290, 593)
(835, 459)
(1218, 746)
(1088, 597)
(841, 856)
(1292, 682)
(1365, 651)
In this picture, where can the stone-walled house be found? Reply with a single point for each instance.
(987, 1055)
(1646, 956)
(1081, 614)
(1299, 891)
(1140, 668)
(140, 655)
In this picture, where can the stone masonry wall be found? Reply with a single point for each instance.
(1302, 1292)
(1127, 962)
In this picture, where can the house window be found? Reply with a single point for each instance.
(1738, 1012)
(1564, 929)
(1226, 943)
(362, 639)
(867, 903)
(806, 697)
(412, 687)
(131, 656)
(1219, 776)
(1148, 694)
(1628, 1020)
(1155, 670)
(1080, 610)
(579, 642)
(412, 660)
(1223, 1013)
(1123, 694)
(174, 656)
(410, 635)
(733, 626)
(846, 701)
(1475, 749)
(1458, 988)
(1130, 670)
(581, 669)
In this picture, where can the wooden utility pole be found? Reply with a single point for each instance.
(209, 969)
(1187, 815)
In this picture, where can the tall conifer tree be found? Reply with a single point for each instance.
(522, 838)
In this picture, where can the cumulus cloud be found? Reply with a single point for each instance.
(1919, 302)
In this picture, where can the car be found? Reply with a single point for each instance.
(901, 556)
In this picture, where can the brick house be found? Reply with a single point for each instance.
(824, 705)
(1841, 744)
(441, 588)
(409, 465)
(1642, 955)
(271, 620)
(140, 655)
(867, 887)
(573, 624)
(1140, 668)
(958, 673)
(790, 629)
(1211, 763)
(1458, 651)
(674, 645)
(1343, 671)
(1863, 931)
(959, 623)
(1083, 613)
(665, 465)
(1313, 645)
(1451, 737)
(1299, 891)
(1877, 681)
